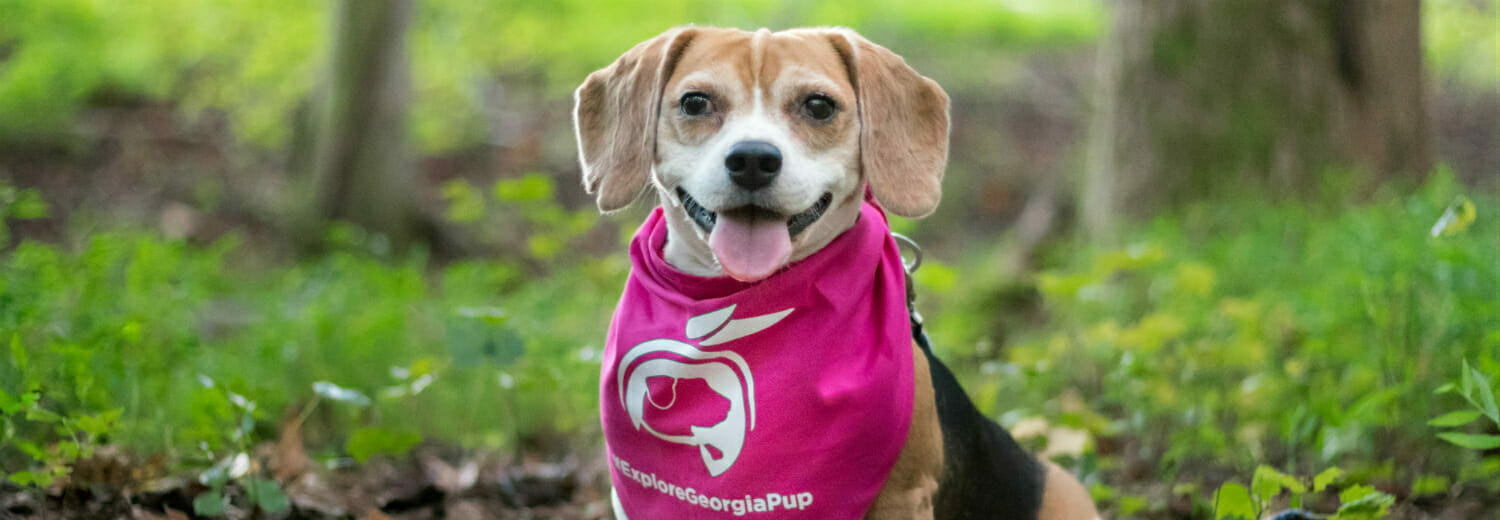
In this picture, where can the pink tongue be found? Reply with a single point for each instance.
(750, 249)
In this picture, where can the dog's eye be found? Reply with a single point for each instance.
(696, 104)
(819, 107)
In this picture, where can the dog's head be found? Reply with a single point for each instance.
(760, 144)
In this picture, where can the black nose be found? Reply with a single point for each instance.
(753, 164)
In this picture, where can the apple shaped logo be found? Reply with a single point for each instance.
(675, 362)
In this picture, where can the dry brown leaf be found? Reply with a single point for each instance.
(289, 456)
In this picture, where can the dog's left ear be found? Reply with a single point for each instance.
(903, 117)
(614, 117)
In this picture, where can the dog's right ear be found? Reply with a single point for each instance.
(614, 116)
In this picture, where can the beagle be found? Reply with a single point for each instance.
(763, 148)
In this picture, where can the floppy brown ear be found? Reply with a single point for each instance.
(614, 117)
(903, 117)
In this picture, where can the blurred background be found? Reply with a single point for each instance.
(332, 259)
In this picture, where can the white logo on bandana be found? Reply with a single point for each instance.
(722, 371)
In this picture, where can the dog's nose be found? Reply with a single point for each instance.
(753, 164)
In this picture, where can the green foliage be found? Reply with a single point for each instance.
(210, 503)
(253, 56)
(524, 210)
(1233, 502)
(1295, 334)
(77, 436)
(266, 495)
(1475, 388)
(262, 493)
(1357, 502)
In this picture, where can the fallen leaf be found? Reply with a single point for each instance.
(290, 457)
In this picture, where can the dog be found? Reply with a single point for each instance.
(763, 149)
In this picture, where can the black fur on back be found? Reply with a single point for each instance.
(986, 475)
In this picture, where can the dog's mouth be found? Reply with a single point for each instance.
(751, 242)
(795, 224)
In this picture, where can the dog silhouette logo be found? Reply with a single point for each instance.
(653, 371)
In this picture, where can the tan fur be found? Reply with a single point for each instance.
(733, 65)
(614, 117)
(902, 116)
(909, 491)
(904, 127)
(1064, 497)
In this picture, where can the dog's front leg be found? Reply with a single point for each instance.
(910, 490)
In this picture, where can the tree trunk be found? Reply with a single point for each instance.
(1200, 98)
(362, 165)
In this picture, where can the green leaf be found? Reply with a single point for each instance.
(368, 442)
(1129, 505)
(42, 415)
(1326, 478)
(1363, 503)
(1445, 389)
(1353, 493)
(31, 449)
(1427, 485)
(1472, 441)
(1232, 502)
(1268, 482)
(465, 204)
(68, 450)
(22, 478)
(210, 503)
(1467, 380)
(99, 424)
(266, 495)
(41, 479)
(1486, 395)
(1459, 418)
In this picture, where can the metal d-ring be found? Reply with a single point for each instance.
(902, 240)
(911, 267)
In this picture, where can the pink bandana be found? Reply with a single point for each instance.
(784, 398)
